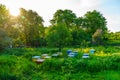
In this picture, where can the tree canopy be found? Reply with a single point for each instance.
(66, 28)
(32, 25)
(64, 16)
(4, 16)
(58, 36)
(94, 20)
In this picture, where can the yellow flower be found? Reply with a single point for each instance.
(86, 50)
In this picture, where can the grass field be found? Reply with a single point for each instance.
(17, 64)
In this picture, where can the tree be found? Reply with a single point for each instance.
(97, 37)
(79, 22)
(113, 38)
(33, 28)
(4, 39)
(64, 16)
(79, 32)
(94, 20)
(4, 16)
(58, 36)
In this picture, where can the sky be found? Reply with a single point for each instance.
(46, 8)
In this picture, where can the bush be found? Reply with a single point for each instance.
(17, 64)
(15, 68)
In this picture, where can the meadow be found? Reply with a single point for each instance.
(17, 64)
(25, 36)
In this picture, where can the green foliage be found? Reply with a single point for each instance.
(97, 37)
(94, 20)
(13, 67)
(64, 16)
(27, 29)
(66, 30)
(79, 36)
(113, 38)
(109, 75)
(4, 16)
(4, 39)
(58, 36)
(32, 24)
(17, 64)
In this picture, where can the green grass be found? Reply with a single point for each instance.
(16, 64)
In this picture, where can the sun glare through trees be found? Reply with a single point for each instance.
(14, 11)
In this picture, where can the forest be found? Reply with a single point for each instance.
(25, 36)
(66, 29)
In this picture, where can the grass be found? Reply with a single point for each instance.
(16, 64)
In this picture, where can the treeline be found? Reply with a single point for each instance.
(66, 29)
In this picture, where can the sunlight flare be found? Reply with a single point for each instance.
(14, 11)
